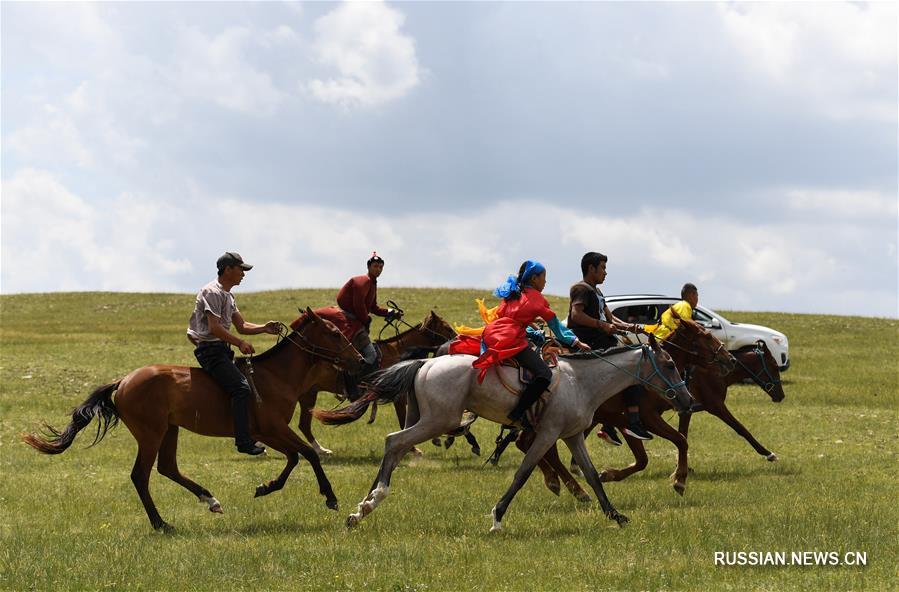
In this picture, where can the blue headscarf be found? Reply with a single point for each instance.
(511, 285)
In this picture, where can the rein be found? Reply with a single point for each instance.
(669, 393)
(302, 342)
(713, 354)
(756, 378)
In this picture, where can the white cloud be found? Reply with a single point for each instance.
(839, 57)
(54, 239)
(216, 69)
(848, 204)
(375, 61)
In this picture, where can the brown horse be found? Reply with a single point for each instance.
(689, 346)
(154, 401)
(417, 341)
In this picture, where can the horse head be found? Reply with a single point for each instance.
(704, 348)
(765, 371)
(666, 378)
(438, 328)
(328, 342)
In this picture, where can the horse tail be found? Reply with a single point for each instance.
(384, 385)
(99, 404)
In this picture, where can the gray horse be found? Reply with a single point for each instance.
(440, 389)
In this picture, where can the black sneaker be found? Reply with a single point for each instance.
(253, 449)
(608, 435)
(635, 430)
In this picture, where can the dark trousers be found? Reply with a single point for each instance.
(218, 360)
(531, 360)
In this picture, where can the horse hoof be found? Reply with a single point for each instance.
(771, 457)
(436, 442)
(331, 504)
(621, 519)
(584, 498)
(679, 488)
(416, 451)
(322, 451)
(476, 451)
(261, 490)
(216, 508)
(554, 487)
(165, 528)
(498, 527)
(352, 520)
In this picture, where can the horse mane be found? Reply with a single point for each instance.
(599, 353)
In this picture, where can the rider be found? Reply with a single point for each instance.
(209, 330)
(670, 321)
(358, 300)
(591, 320)
(505, 337)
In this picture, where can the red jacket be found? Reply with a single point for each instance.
(359, 297)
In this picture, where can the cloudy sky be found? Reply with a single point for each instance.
(749, 148)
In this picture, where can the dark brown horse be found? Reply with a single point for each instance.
(154, 401)
(416, 341)
(689, 346)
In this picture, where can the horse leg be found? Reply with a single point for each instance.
(723, 413)
(473, 442)
(167, 465)
(541, 443)
(579, 451)
(147, 450)
(574, 488)
(396, 445)
(550, 477)
(399, 405)
(655, 424)
(283, 439)
(307, 402)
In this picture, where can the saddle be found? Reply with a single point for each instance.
(549, 352)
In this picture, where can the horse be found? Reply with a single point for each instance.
(708, 386)
(440, 389)
(155, 401)
(416, 341)
(703, 350)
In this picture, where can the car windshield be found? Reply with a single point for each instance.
(721, 316)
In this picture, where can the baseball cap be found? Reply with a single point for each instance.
(230, 259)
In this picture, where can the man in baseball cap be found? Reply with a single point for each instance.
(209, 330)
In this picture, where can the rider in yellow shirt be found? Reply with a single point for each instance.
(682, 310)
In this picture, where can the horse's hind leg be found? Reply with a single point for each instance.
(655, 424)
(396, 446)
(147, 450)
(168, 466)
(399, 405)
(579, 450)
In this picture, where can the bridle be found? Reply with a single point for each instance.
(768, 385)
(335, 357)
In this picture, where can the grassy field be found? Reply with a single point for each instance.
(74, 521)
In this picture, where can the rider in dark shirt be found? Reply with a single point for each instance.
(591, 320)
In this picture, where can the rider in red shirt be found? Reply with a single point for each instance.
(506, 337)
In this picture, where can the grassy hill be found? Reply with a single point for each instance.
(75, 522)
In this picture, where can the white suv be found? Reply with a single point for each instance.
(648, 308)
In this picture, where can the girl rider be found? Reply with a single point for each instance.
(506, 338)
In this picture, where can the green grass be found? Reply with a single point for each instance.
(74, 521)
